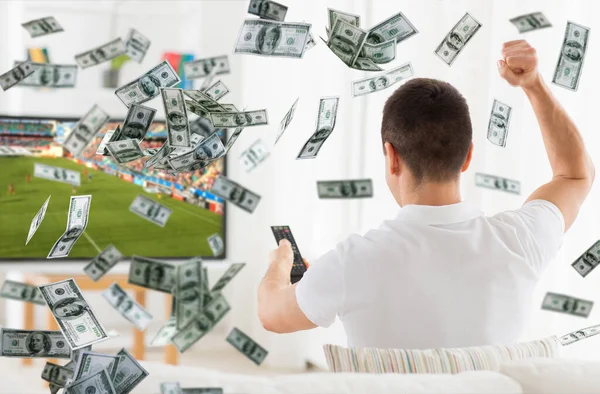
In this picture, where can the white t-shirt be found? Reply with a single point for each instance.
(436, 276)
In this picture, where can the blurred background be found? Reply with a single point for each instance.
(288, 186)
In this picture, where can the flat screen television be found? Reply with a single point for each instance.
(196, 213)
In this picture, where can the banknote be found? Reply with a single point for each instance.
(165, 333)
(109, 136)
(231, 272)
(240, 119)
(364, 64)
(178, 128)
(346, 41)
(334, 15)
(85, 130)
(235, 194)
(498, 124)
(99, 382)
(33, 343)
(79, 210)
(205, 153)
(103, 262)
(17, 74)
(254, 155)
(247, 346)
(572, 54)
(42, 26)
(137, 122)
(497, 183)
(72, 313)
(150, 151)
(200, 68)
(453, 44)
(170, 388)
(328, 107)
(125, 151)
(158, 158)
(127, 307)
(310, 41)
(136, 45)
(202, 104)
(129, 373)
(56, 374)
(150, 210)
(267, 9)
(21, 292)
(268, 38)
(101, 54)
(352, 188)
(208, 80)
(202, 390)
(89, 363)
(188, 292)
(216, 245)
(396, 27)
(380, 53)
(58, 174)
(37, 219)
(382, 81)
(287, 119)
(529, 22)
(148, 85)
(567, 304)
(216, 90)
(201, 127)
(76, 354)
(51, 76)
(151, 274)
(578, 335)
(589, 260)
(232, 138)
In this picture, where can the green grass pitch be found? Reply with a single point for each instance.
(110, 221)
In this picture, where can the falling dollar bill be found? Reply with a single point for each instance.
(37, 220)
(310, 41)
(267, 9)
(51, 76)
(497, 183)
(334, 15)
(232, 138)
(72, 313)
(589, 260)
(267, 38)
(240, 119)
(287, 119)
(127, 306)
(188, 292)
(572, 54)
(235, 194)
(21, 292)
(178, 128)
(364, 64)
(150, 210)
(567, 304)
(231, 272)
(102, 263)
(205, 153)
(151, 274)
(137, 122)
(354, 188)
(254, 155)
(529, 22)
(129, 373)
(125, 151)
(202, 390)
(109, 136)
(578, 335)
(498, 125)
(165, 333)
(88, 363)
(56, 374)
(216, 244)
(247, 346)
(328, 107)
(16, 75)
(148, 85)
(98, 382)
(217, 90)
(101, 54)
(457, 38)
(79, 210)
(380, 53)
(42, 26)
(203, 102)
(136, 45)
(170, 388)
(58, 174)
(200, 68)
(396, 27)
(85, 130)
(383, 81)
(33, 343)
(346, 41)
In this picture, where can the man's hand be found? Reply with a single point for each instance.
(519, 64)
(280, 263)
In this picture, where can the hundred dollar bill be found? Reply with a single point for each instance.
(203, 102)
(99, 382)
(51, 75)
(109, 136)
(125, 151)
(346, 41)
(42, 26)
(200, 68)
(577, 336)
(240, 119)
(17, 74)
(498, 125)
(56, 374)
(328, 107)
(381, 53)
(216, 90)
(89, 363)
(102, 263)
(267, 38)
(101, 54)
(150, 210)
(364, 64)
(287, 119)
(76, 354)
(158, 157)
(37, 220)
(178, 128)
(85, 130)
(150, 151)
(56, 174)
(310, 41)
(201, 127)
(202, 390)
(234, 136)
(497, 183)
(247, 346)
(129, 373)
(136, 45)
(567, 304)
(457, 38)
(254, 155)
(79, 210)
(529, 22)
(137, 122)
(151, 274)
(72, 313)
(216, 244)
(127, 306)
(33, 343)
(572, 54)
(382, 81)
(21, 292)
(334, 15)
(396, 27)
(148, 85)
(166, 333)
(231, 272)
(589, 260)
(170, 388)
(354, 188)
(205, 153)
(208, 80)
(267, 9)
(188, 292)
(235, 194)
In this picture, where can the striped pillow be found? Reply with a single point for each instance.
(488, 358)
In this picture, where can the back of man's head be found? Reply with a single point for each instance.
(427, 122)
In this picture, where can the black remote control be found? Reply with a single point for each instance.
(299, 268)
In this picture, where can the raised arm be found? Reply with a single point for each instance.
(572, 169)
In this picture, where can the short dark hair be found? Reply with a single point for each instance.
(427, 122)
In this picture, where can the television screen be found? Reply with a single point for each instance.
(196, 213)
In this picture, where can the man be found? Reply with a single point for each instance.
(379, 83)
(441, 274)
(38, 343)
(70, 308)
(268, 39)
(149, 85)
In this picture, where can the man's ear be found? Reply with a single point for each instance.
(392, 159)
(467, 162)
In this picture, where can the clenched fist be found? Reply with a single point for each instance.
(519, 66)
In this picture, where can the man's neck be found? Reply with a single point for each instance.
(431, 194)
